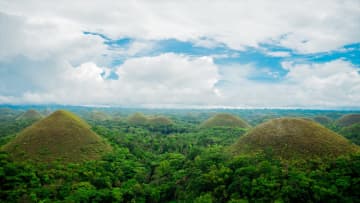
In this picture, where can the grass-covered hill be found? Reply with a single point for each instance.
(99, 116)
(352, 133)
(224, 120)
(323, 120)
(30, 115)
(291, 138)
(181, 163)
(137, 119)
(6, 111)
(159, 121)
(60, 136)
(348, 120)
(7, 114)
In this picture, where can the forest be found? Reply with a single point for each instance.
(181, 156)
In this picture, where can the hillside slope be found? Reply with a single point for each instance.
(224, 120)
(60, 136)
(294, 138)
(30, 115)
(348, 120)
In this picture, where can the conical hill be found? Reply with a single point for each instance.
(290, 138)
(60, 136)
(348, 120)
(30, 115)
(224, 120)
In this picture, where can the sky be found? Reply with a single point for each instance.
(181, 54)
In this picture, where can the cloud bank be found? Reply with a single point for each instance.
(45, 57)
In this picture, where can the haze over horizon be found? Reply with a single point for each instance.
(242, 54)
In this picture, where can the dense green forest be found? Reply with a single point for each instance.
(166, 156)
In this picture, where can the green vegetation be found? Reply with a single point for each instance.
(348, 120)
(61, 136)
(160, 121)
(225, 120)
(7, 113)
(153, 123)
(137, 119)
(30, 115)
(291, 138)
(167, 158)
(352, 133)
(9, 125)
(99, 115)
(323, 120)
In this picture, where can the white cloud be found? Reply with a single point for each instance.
(176, 80)
(45, 57)
(167, 79)
(318, 85)
(278, 53)
(310, 26)
(205, 42)
(331, 83)
(138, 47)
(41, 39)
(86, 72)
(170, 70)
(135, 48)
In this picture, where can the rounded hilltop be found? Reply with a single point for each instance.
(137, 119)
(61, 136)
(290, 138)
(30, 115)
(7, 113)
(224, 120)
(348, 120)
(99, 116)
(159, 121)
(323, 120)
(352, 133)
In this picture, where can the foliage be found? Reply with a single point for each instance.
(183, 164)
(211, 177)
(352, 133)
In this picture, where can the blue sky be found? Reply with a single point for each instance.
(233, 54)
(261, 56)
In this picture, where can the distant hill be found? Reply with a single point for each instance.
(7, 113)
(159, 121)
(46, 112)
(30, 115)
(224, 120)
(290, 138)
(323, 120)
(137, 119)
(99, 116)
(348, 120)
(60, 136)
(352, 133)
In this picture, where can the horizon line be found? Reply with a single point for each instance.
(186, 107)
